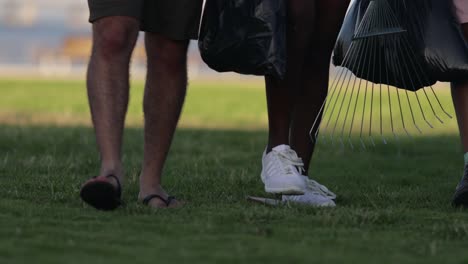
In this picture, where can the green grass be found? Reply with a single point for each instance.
(211, 104)
(393, 207)
(382, 109)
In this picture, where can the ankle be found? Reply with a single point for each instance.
(149, 184)
(112, 169)
(150, 178)
(146, 190)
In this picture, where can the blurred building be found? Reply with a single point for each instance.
(53, 37)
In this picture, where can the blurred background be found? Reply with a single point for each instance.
(51, 38)
(44, 50)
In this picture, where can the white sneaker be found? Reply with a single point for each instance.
(317, 187)
(315, 195)
(280, 171)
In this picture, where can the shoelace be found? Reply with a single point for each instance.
(319, 188)
(290, 161)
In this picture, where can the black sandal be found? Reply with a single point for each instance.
(150, 197)
(101, 194)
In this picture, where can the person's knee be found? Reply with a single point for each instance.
(166, 54)
(115, 37)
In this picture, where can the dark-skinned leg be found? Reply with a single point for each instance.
(460, 101)
(281, 93)
(315, 76)
(280, 165)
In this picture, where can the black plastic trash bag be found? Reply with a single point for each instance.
(244, 36)
(430, 49)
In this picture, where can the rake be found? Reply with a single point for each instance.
(381, 51)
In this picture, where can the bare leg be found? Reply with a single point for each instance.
(281, 93)
(460, 101)
(108, 86)
(166, 85)
(315, 74)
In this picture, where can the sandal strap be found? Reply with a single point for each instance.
(150, 197)
(119, 186)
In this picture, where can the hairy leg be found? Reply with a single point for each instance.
(165, 90)
(108, 86)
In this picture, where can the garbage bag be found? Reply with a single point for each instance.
(431, 49)
(244, 36)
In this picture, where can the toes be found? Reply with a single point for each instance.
(158, 204)
(176, 204)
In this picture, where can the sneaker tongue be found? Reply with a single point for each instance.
(281, 148)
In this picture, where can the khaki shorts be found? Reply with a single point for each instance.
(176, 19)
(461, 10)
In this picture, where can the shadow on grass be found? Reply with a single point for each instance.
(384, 193)
(222, 166)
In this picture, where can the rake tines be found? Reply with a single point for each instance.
(380, 54)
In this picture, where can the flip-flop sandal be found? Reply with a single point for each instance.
(167, 201)
(101, 194)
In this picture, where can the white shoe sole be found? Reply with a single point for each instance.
(287, 190)
(318, 205)
(275, 202)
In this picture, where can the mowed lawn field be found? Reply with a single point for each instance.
(393, 205)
